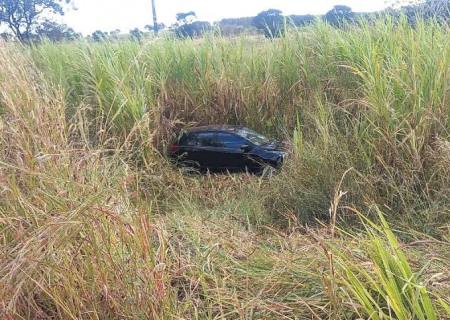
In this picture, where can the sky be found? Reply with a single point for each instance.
(86, 16)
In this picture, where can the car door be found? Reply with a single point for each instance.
(207, 153)
(232, 156)
(188, 149)
(197, 149)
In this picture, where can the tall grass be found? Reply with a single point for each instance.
(391, 289)
(373, 97)
(95, 224)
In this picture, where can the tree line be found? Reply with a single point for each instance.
(28, 21)
(272, 23)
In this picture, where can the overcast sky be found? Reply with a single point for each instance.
(108, 15)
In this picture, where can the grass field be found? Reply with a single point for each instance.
(96, 224)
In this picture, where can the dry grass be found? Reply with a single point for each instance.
(95, 224)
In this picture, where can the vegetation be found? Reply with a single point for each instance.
(22, 16)
(432, 9)
(339, 16)
(187, 27)
(271, 23)
(136, 34)
(96, 224)
(50, 30)
(30, 21)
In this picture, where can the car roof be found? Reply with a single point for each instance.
(215, 128)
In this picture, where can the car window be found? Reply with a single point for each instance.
(190, 140)
(201, 139)
(228, 140)
(253, 136)
(207, 139)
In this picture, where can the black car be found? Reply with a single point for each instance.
(226, 148)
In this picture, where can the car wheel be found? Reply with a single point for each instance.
(189, 166)
(267, 171)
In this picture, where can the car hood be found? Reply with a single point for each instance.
(274, 146)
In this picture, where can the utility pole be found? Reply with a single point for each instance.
(155, 19)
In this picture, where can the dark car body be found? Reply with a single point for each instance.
(226, 148)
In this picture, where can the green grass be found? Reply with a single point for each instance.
(388, 287)
(96, 224)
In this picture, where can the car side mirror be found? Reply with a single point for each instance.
(246, 147)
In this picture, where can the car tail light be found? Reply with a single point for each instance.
(174, 148)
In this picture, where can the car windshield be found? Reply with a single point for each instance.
(253, 137)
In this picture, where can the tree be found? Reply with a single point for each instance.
(339, 15)
(114, 34)
(301, 20)
(192, 30)
(136, 34)
(186, 17)
(186, 27)
(22, 16)
(270, 22)
(151, 28)
(430, 9)
(236, 26)
(54, 31)
(5, 36)
(99, 36)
